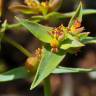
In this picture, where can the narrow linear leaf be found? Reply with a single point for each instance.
(57, 15)
(39, 31)
(63, 70)
(77, 15)
(17, 73)
(84, 12)
(88, 40)
(48, 63)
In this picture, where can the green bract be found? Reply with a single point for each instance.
(78, 15)
(47, 65)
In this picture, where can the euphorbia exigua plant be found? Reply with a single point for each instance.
(56, 43)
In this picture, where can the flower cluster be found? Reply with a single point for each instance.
(36, 7)
(39, 7)
(58, 36)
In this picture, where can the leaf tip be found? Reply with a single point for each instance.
(32, 86)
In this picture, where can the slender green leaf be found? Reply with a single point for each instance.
(64, 70)
(48, 63)
(17, 73)
(84, 12)
(57, 15)
(77, 15)
(88, 40)
(39, 31)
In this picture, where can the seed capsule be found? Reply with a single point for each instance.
(32, 62)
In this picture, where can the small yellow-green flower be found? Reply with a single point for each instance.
(58, 36)
(36, 7)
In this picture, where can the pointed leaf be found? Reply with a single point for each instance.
(17, 73)
(84, 12)
(48, 63)
(77, 15)
(64, 70)
(39, 31)
(57, 15)
(89, 40)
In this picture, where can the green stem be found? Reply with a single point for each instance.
(10, 26)
(47, 87)
(18, 46)
(84, 11)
